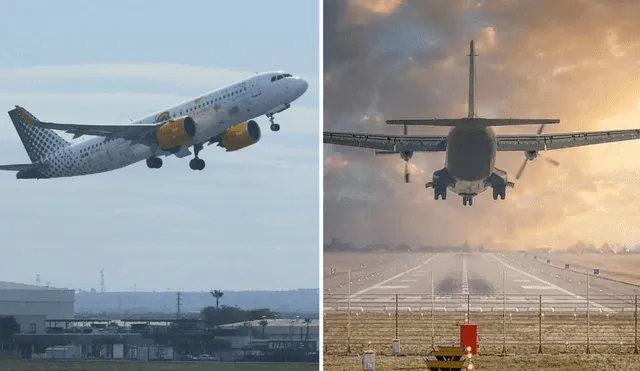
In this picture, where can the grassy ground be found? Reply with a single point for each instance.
(564, 339)
(42, 365)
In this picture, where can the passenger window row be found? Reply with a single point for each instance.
(219, 99)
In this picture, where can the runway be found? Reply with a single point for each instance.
(475, 282)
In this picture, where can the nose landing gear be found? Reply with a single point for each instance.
(274, 126)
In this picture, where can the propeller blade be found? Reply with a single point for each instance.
(404, 129)
(540, 129)
(524, 164)
(552, 161)
(406, 171)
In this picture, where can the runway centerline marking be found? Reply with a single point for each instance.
(575, 296)
(394, 277)
(408, 280)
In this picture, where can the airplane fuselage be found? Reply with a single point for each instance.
(470, 158)
(213, 113)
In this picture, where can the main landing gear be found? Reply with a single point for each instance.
(274, 126)
(439, 190)
(154, 162)
(467, 200)
(501, 190)
(197, 163)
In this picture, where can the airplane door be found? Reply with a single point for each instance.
(255, 87)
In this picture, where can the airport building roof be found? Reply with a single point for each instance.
(4, 285)
(276, 322)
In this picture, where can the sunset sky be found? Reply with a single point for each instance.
(578, 61)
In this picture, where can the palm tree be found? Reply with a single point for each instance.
(307, 321)
(264, 324)
(217, 294)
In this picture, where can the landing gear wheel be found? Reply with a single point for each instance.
(499, 191)
(467, 200)
(274, 126)
(197, 164)
(154, 163)
(440, 191)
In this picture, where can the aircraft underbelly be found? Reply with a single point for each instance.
(470, 154)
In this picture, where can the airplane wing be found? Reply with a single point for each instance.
(545, 142)
(389, 143)
(129, 132)
(20, 167)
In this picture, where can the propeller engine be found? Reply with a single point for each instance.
(532, 155)
(405, 155)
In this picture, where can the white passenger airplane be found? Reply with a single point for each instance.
(223, 116)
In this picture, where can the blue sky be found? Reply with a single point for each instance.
(248, 221)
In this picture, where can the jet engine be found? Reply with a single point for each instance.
(176, 133)
(240, 136)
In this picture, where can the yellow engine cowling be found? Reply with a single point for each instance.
(176, 133)
(240, 136)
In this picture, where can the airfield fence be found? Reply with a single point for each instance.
(507, 324)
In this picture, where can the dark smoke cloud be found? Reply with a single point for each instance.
(574, 60)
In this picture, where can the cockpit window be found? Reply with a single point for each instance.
(280, 77)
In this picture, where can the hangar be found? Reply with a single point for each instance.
(32, 305)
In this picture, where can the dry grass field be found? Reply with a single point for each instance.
(562, 362)
(27, 365)
(618, 267)
(563, 339)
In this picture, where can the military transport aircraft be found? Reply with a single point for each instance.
(471, 146)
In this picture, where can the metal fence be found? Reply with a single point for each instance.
(507, 324)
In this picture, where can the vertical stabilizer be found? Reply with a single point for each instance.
(472, 81)
(38, 142)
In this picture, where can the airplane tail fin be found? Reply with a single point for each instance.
(38, 142)
(472, 120)
(472, 81)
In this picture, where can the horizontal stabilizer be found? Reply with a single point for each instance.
(474, 121)
(21, 167)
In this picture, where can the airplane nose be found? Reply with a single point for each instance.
(304, 85)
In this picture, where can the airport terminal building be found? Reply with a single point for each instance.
(32, 305)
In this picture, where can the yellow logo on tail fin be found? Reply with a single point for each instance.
(25, 116)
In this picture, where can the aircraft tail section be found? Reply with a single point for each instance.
(471, 122)
(38, 142)
(472, 81)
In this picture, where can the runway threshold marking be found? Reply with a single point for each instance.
(394, 277)
(551, 285)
